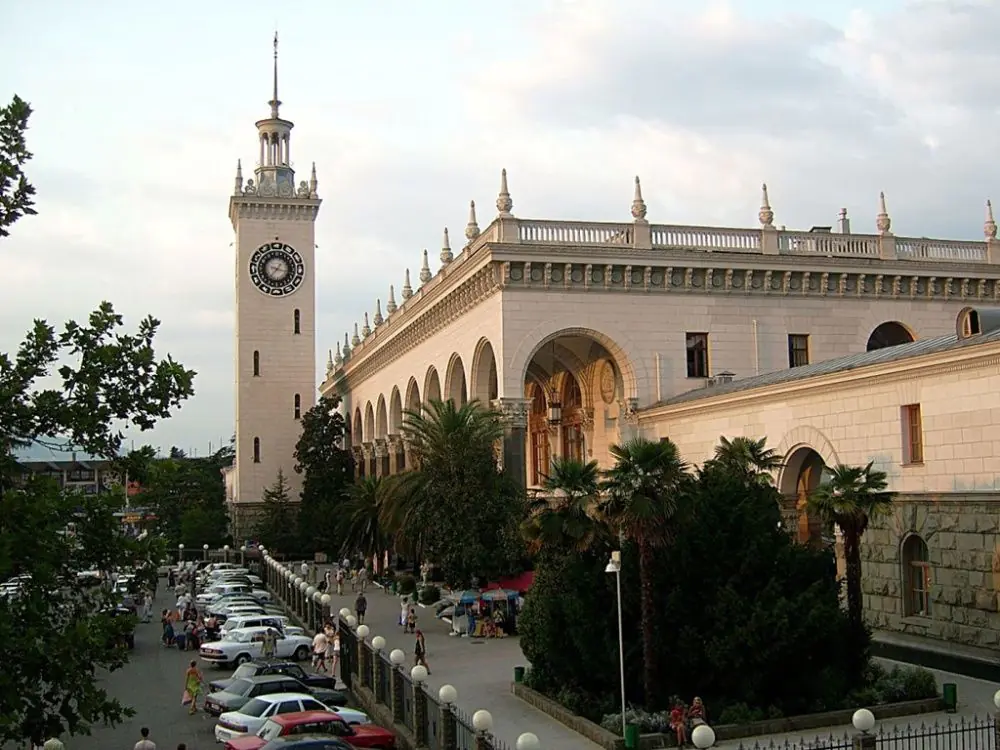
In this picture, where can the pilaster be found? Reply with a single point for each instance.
(395, 446)
(358, 454)
(993, 250)
(514, 414)
(368, 451)
(381, 454)
(769, 240)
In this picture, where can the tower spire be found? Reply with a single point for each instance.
(275, 102)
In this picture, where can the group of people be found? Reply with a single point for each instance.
(326, 649)
(683, 719)
(187, 629)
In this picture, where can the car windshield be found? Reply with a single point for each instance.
(246, 670)
(255, 707)
(238, 636)
(240, 687)
(270, 730)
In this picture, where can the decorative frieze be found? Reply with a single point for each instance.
(513, 411)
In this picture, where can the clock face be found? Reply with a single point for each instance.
(277, 269)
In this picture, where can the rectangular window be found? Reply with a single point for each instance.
(920, 588)
(913, 435)
(697, 355)
(297, 322)
(539, 456)
(256, 450)
(256, 364)
(298, 406)
(798, 349)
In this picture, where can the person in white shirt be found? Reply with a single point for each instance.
(145, 743)
(320, 644)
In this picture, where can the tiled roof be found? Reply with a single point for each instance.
(61, 451)
(831, 366)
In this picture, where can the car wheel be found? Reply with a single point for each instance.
(242, 659)
(302, 653)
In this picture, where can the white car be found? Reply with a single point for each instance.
(253, 716)
(242, 622)
(240, 646)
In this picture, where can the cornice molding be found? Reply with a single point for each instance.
(244, 207)
(939, 363)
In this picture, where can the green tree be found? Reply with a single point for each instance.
(852, 498)
(748, 457)
(326, 472)
(456, 507)
(641, 492)
(565, 515)
(360, 518)
(276, 526)
(85, 384)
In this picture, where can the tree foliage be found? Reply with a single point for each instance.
(275, 528)
(85, 384)
(326, 469)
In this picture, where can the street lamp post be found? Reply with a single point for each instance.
(204, 549)
(243, 555)
(225, 552)
(615, 566)
(180, 553)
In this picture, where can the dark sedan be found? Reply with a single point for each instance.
(236, 695)
(264, 667)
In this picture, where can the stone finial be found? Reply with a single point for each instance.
(472, 228)
(425, 270)
(990, 227)
(355, 339)
(390, 304)
(882, 221)
(366, 329)
(313, 183)
(765, 215)
(347, 347)
(638, 204)
(378, 319)
(329, 359)
(338, 359)
(843, 223)
(446, 254)
(407, 289)
(504, 203)
(238, 187)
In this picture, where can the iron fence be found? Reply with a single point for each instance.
(383, 681)
(465, 735)
(434, 729)
(408, 713)
(960, 733)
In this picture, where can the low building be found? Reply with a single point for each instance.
(72, 469)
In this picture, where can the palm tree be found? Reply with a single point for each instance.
(361, 517)
(640, 500)
(564, 518)
(748, 458)
(852, 498)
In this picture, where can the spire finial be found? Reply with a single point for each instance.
(313, 183)
(347, 347)
(378, 319)
(355, 339)
(338, 358)
(990, 227)
(425, 270)
(504, 202)
(882, 221)
(446, 254)
(407, 289)
(366, 329)
(765, 215)
(329, 358)
(238, 183)
(472, 228)
(275, 102)
(638, 204)
(390, 304)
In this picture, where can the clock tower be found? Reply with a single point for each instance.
(275, 224)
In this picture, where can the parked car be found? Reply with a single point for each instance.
(238, 692)
(255, 620)
(213, 593)
(261, 667)
(307, 742)
(323, 723)
(240, 646)
(251, 717)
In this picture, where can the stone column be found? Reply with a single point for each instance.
(449, 729)
(368, 451)
(628, 418)
(514, 412)
(397, 695)
(359, 457)
(420, 722)
(381, 452)
(395, 445)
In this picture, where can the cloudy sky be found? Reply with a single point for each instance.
(410, 109)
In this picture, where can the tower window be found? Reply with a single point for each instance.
(256, 450)
(297, 322)
(256, 364)
(298, 406)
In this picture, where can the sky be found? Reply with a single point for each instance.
(410, 110)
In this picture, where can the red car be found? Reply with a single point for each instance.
(316, 722)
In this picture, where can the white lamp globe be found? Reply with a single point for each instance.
(53, 744)
(352, 621)
(528, 741)
(310, 590)
(304, 569)
(448, 695)
(363, 631)
(296, 580)
(397, 657)
(205, 547)
(304, 586)
(263, 550)
(996, 699)
(482, 720)
(318, 597)
(418, 674)
(180, 546)
(863, 720)
(225, 547)
(325, 600)
(703, 736)
(378, 643)
(345, 612)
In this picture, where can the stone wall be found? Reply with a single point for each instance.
(962, 533)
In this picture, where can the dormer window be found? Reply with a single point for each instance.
(970, 324)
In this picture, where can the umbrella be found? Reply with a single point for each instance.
(499, 595)
(468, 596)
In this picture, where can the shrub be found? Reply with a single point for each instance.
(406, 584)
(429, 595)
(901, 683)
(648, 723)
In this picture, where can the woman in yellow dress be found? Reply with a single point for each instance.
(192, 686)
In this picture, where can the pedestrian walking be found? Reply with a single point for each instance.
(192, 689)
(363, 578)
(361, 606)
(420, 652)
(340, 581)
(269, 643)
(320, 644)
(145, 743)
(335, 647)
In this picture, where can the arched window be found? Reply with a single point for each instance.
(256, 450)
(298, 406)
(916, 577)
(256, 364)
(572, 420)
(297, 321)
(538, 423)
